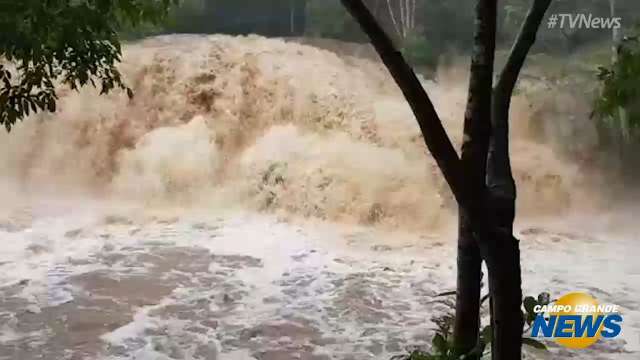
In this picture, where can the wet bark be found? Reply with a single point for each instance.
(500, 180)
(477, 133)
(503, 256)
(469, 275)
(484, 170)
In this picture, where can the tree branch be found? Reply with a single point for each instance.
(499, 174)
(477, 134)
(433, 132)
(525, 40)
(477, 118)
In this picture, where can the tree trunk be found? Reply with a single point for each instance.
(622, 113)
(503, 255)
(615, 33)
(477, 132)
(503, 264)
(480, 219)
(500, 182)
(467, 321)
(292, 17)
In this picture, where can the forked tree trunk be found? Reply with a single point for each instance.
(489, 226)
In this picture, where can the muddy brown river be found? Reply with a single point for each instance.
(264, 199)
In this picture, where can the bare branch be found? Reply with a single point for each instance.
(393, 18)
(413, 14)
(403, 18)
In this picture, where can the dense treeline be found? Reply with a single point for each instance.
(426, 27)
(271, 18)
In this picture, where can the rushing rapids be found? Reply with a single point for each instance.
(272, 126)
(261, 198)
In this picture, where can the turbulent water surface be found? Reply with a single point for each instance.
(271, 200)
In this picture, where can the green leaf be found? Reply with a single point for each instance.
(529, 304)
(439, 343)
(529, 317)
(487, 334)
(74, 43)
(544, 298)
(534, 343)
(51, 105)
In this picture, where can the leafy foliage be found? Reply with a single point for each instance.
(621, 89)
(442, 347)
(529, 303)
(328, 19)
(72, 42)
(420, 51)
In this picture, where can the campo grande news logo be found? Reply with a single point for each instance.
(576, 321)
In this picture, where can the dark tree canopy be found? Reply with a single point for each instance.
(72, 42)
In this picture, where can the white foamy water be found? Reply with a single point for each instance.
(171, 284)
(265, 199)
(273, 126)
